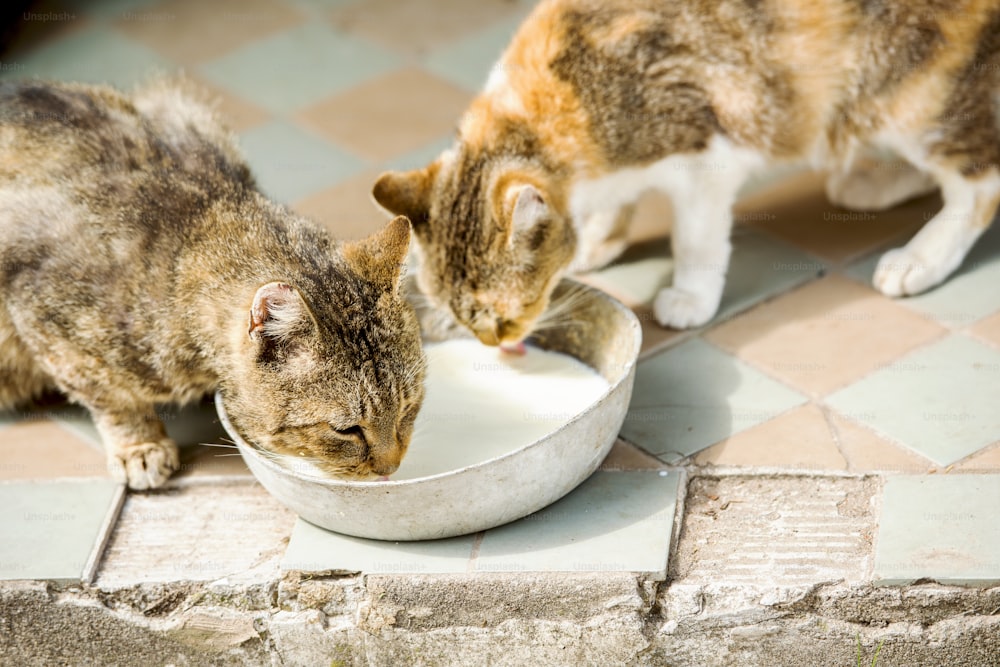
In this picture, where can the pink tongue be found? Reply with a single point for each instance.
(383, 478)
(513, 348)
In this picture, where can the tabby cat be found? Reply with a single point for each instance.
(139, 264)
(595, 101)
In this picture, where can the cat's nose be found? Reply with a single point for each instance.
(385, 468)
(487, 335)
(496, 331)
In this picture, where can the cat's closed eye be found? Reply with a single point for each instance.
(354, 432)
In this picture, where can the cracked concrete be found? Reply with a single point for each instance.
(499, 619)
(735, 595)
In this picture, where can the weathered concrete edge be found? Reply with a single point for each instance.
(499, 619)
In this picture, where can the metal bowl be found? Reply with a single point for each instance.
(605, 336)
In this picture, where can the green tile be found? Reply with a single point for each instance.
(468, 62)
(298, 67)
(420, 157)
(111, 10)
(55, 530)
(967, 296)
(939, 527)
(93, 55)
(940, 401)
(313, 549)
(613, 522)
(694, 395)
(760, 268)
(291, 163)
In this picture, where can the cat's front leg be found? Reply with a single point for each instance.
(940, 246)
(702, 190)
(701, 256)
(139, 452)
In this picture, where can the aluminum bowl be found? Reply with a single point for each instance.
(492, 492)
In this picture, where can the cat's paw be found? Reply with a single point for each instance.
(678, 309)
(144, 465)
(902, 273)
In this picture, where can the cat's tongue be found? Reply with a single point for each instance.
(514, 348)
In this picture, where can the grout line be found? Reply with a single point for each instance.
(834, 433)
(103, 535)
(477, 544)
(878, 500)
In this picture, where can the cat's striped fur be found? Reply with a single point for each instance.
(595, 101)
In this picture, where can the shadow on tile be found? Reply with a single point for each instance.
(695, 395)
(966, 297)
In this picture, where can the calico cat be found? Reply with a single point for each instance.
(139, 264)
(595, 101)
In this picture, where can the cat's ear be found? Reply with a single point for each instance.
(529, 208)
(406, 192)
(523, 208)
(278, 313)
(380, 257)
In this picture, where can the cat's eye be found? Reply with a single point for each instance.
(351, 432)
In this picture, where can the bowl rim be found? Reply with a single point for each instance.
(627, 369)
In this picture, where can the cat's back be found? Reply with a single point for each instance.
(88, 172)
(79, 126)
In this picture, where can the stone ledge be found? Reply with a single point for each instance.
(496, 619)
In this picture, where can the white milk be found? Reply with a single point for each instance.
(482, 403)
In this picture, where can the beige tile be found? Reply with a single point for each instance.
(800, 438)
(796, 210)
(626, 456)
(419, 26)
(825, 335)
(346, 209)
(41, 449)
(985, 460)
(237, 113)
(988, 330)
(194, 32)
(389, 116)
(866, 451)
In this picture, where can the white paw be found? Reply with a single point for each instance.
(678, 309)
(901, 273)
(144, 465)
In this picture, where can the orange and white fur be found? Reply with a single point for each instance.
(596, 101)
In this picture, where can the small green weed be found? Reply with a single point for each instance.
(878, 649)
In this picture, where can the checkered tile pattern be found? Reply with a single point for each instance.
(805, 368)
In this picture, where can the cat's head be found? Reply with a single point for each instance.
(333, 370)
(493, 238)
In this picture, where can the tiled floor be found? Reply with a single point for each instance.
(806, 368)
